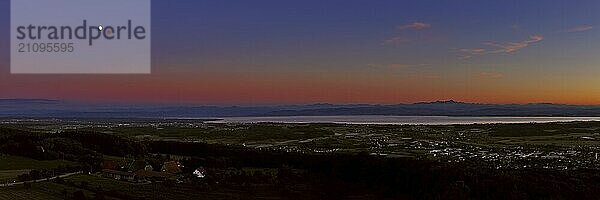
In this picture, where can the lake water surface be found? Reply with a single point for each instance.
(379, 119)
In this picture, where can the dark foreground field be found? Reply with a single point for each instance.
(232, 169)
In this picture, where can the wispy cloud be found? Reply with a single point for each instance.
(414, 26)
(512, 47)
(496, 47)
(490, 75)
(578, 29)
(396, 65)
(469, 53)
(398, 40)
(474, 51)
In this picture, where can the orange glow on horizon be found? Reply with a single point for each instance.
(225, 88)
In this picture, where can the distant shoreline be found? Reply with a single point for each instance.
(334, 119)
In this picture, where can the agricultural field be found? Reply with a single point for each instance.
(19, 163)
(12, 166)
(26, 194)
(42, 191)
(91, 186)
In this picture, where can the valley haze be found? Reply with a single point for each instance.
(45, 108)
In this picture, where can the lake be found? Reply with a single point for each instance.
(379, 119)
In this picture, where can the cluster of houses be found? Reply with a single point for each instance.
(142, 171)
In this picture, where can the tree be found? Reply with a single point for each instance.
(79, 195)
(34, 174)
(24, 177)
(64, 193)
(84, 184)
(99, 196)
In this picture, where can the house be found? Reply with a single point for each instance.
(136, 165)
(149, 168)
(110, 164)
(200, 172)
(118, 175)
(172, 167)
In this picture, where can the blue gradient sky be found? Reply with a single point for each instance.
(348, 51)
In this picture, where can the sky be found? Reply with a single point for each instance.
(240, 52)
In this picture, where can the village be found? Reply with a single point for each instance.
(140, 171)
